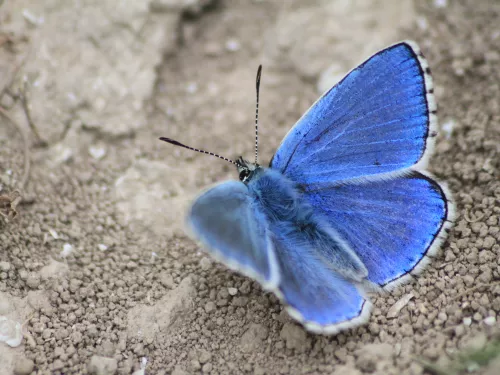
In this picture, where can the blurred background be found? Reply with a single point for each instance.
(96, 266)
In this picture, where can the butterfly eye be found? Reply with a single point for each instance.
(244, 174)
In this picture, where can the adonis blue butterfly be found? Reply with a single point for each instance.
(346, 204)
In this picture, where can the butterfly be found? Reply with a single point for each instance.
(346, 205)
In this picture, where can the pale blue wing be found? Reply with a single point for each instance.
(376, 120)
(392, 225)
(318, 296)
(224, 219)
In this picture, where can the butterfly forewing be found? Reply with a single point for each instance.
(224, 219)
(375, 121)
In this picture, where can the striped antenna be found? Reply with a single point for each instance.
(257, 86)
(173, 142)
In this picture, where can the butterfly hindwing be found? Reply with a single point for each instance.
(390, 224)
(318, 296)
(375, 121)
(224, 219)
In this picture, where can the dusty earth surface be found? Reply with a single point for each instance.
(96, 268)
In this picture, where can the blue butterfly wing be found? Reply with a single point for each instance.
(317, 296)
(227, 222)
(231, 222)
(351, 155)
(376, 120)
(392, 225)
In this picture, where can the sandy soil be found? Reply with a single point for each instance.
(96, 266)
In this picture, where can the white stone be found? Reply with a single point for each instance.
(10, 332)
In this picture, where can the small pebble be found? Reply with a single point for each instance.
(33, 281)
(131, 265)
(233, 45)
(23, 366)
(204, 356)
(207, 367)
(67, 250)
(102, 365)
(4, 266)
(97, 152)
(57, 365)
(210, 306)
(490, 321)
(102, 247)
(205, 263)
(195, 365)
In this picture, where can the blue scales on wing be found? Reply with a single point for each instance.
(263, 229)
(376, 120)
(227, 222)
(352, 153)
(317, 295)
(318, 272)
(390, 224)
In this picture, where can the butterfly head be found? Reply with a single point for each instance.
(245, 169)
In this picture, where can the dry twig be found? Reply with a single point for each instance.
(23, 96)
(15, 71)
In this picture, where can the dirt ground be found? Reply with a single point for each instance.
(96, 266)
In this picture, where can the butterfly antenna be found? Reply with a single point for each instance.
(257, 86)
(171, 141)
